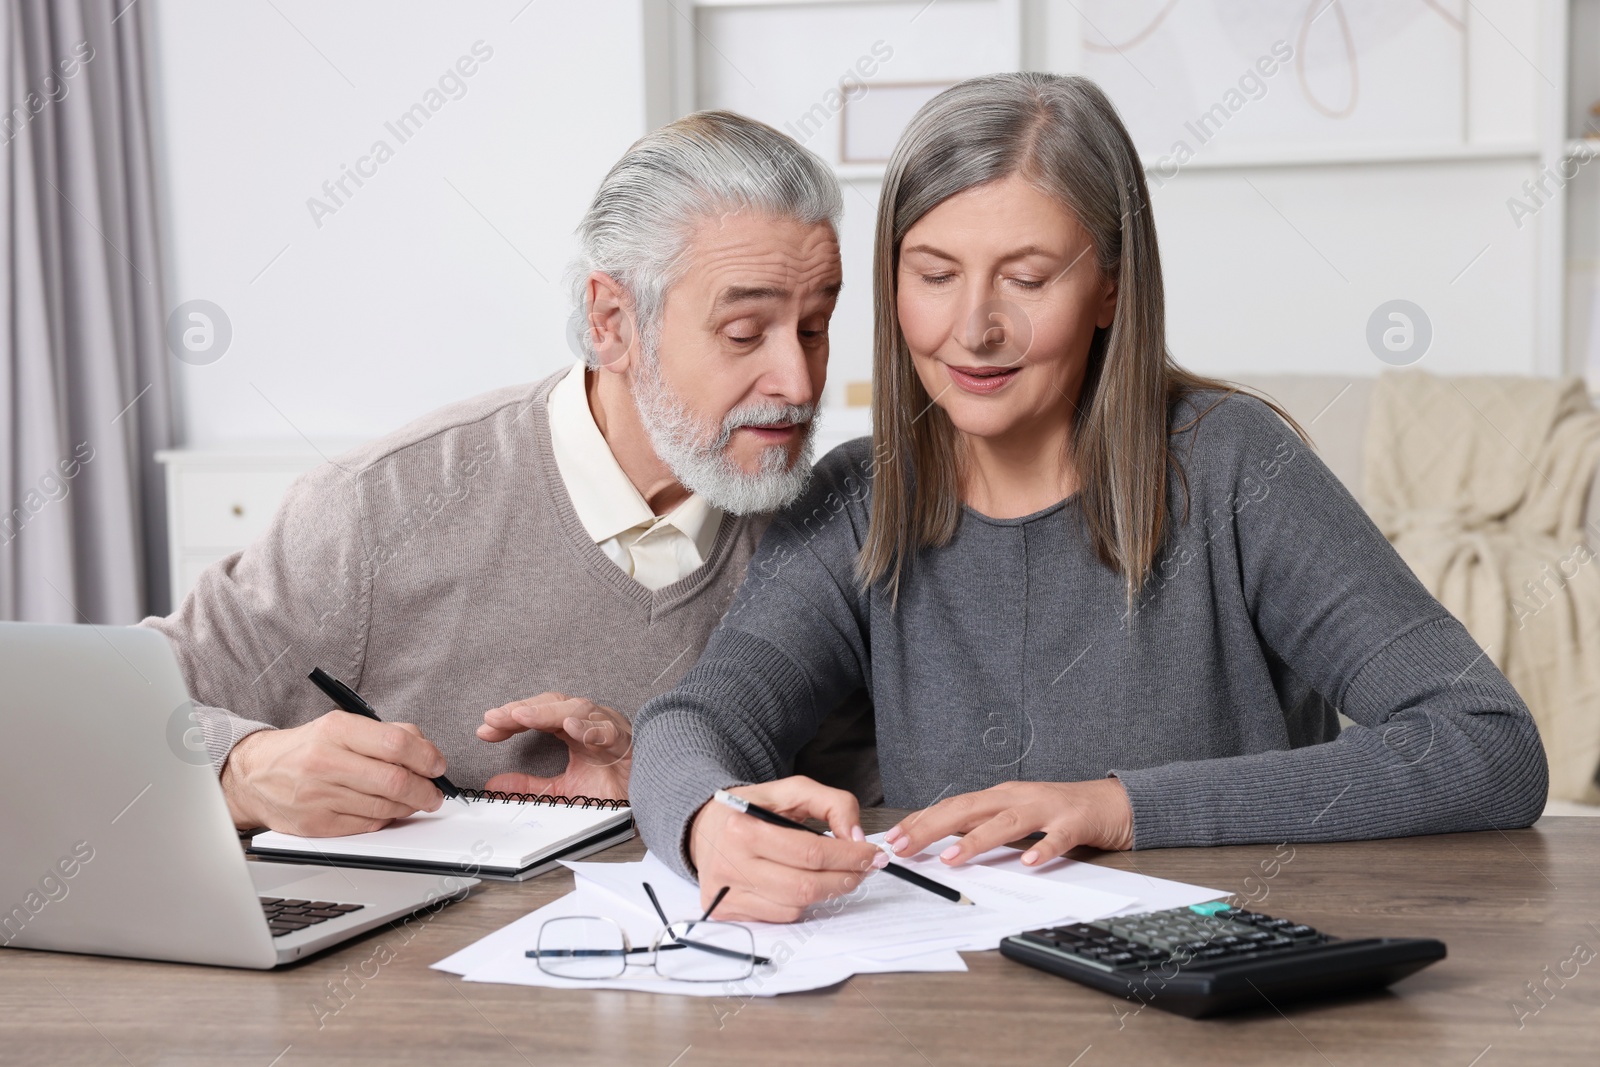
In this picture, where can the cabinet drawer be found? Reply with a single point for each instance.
(228, 509)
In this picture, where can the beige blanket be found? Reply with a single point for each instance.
(1480, 484)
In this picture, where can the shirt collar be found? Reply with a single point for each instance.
(604, 498)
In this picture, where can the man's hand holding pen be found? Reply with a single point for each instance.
(338, 774)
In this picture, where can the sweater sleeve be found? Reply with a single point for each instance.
(1441, 740)
(257, 621)
(789, 649)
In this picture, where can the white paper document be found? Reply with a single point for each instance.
(500, 957)
(885, 925)
(884, 911)
(1149, 892)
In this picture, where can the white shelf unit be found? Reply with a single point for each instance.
(1336, 156)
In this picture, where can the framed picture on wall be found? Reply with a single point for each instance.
(841, 77)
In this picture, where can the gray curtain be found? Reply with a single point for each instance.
(85, 398)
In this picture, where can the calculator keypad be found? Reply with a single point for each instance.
(1198, 935)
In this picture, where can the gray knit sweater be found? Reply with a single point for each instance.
(1012, 657)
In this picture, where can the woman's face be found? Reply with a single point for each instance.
(999, 296)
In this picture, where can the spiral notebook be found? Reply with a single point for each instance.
(504, 836)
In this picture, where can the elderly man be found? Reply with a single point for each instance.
(582, 535)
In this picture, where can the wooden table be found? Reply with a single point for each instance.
(1512, 907)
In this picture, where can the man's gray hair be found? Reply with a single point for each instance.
(702, 166)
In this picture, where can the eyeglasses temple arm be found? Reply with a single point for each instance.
(651, 893)
(714, 902)
(718, 950)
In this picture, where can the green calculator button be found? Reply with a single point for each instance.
(1209, 908)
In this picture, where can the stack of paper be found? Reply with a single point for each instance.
(885, 925)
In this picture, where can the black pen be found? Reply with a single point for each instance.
(738, 803)
(349, 700)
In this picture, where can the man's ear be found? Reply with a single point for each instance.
(1108, 306)
(610, 323)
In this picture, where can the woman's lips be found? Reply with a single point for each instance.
(981, 380)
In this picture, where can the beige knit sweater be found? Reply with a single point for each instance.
(442, 571)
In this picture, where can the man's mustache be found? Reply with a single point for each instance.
(762, 415)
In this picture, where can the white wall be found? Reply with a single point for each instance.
(1277, 270)
(406, 297)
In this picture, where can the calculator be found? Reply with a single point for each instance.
(1208, 959)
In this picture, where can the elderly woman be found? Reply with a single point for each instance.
(1093, 595)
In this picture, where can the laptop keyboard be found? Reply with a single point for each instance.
(285, 916)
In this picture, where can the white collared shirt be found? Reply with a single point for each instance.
(655, 550)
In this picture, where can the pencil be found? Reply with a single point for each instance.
(738, 803)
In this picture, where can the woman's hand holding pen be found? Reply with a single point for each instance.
(599, 744)
(1069, 814)
(338, 774)
(776, 873)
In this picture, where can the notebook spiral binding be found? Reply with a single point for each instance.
(543, 798)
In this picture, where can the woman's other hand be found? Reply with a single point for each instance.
(1069, 814)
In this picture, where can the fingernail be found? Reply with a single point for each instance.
(857, 834)
(950, 853)
(880, 860)
(894, 834)
(1030, 857)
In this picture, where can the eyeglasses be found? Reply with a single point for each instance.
(701, 950)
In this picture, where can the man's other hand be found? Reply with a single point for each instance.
(599, 744)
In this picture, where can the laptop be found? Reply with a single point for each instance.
(114, 832)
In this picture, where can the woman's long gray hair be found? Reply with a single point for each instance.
(1062, 135)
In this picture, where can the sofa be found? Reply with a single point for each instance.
(1333, 410)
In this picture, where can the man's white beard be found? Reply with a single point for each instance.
(696, 451)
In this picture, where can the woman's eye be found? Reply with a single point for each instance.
(745, 340)
(1029, 283)
(937, 279)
